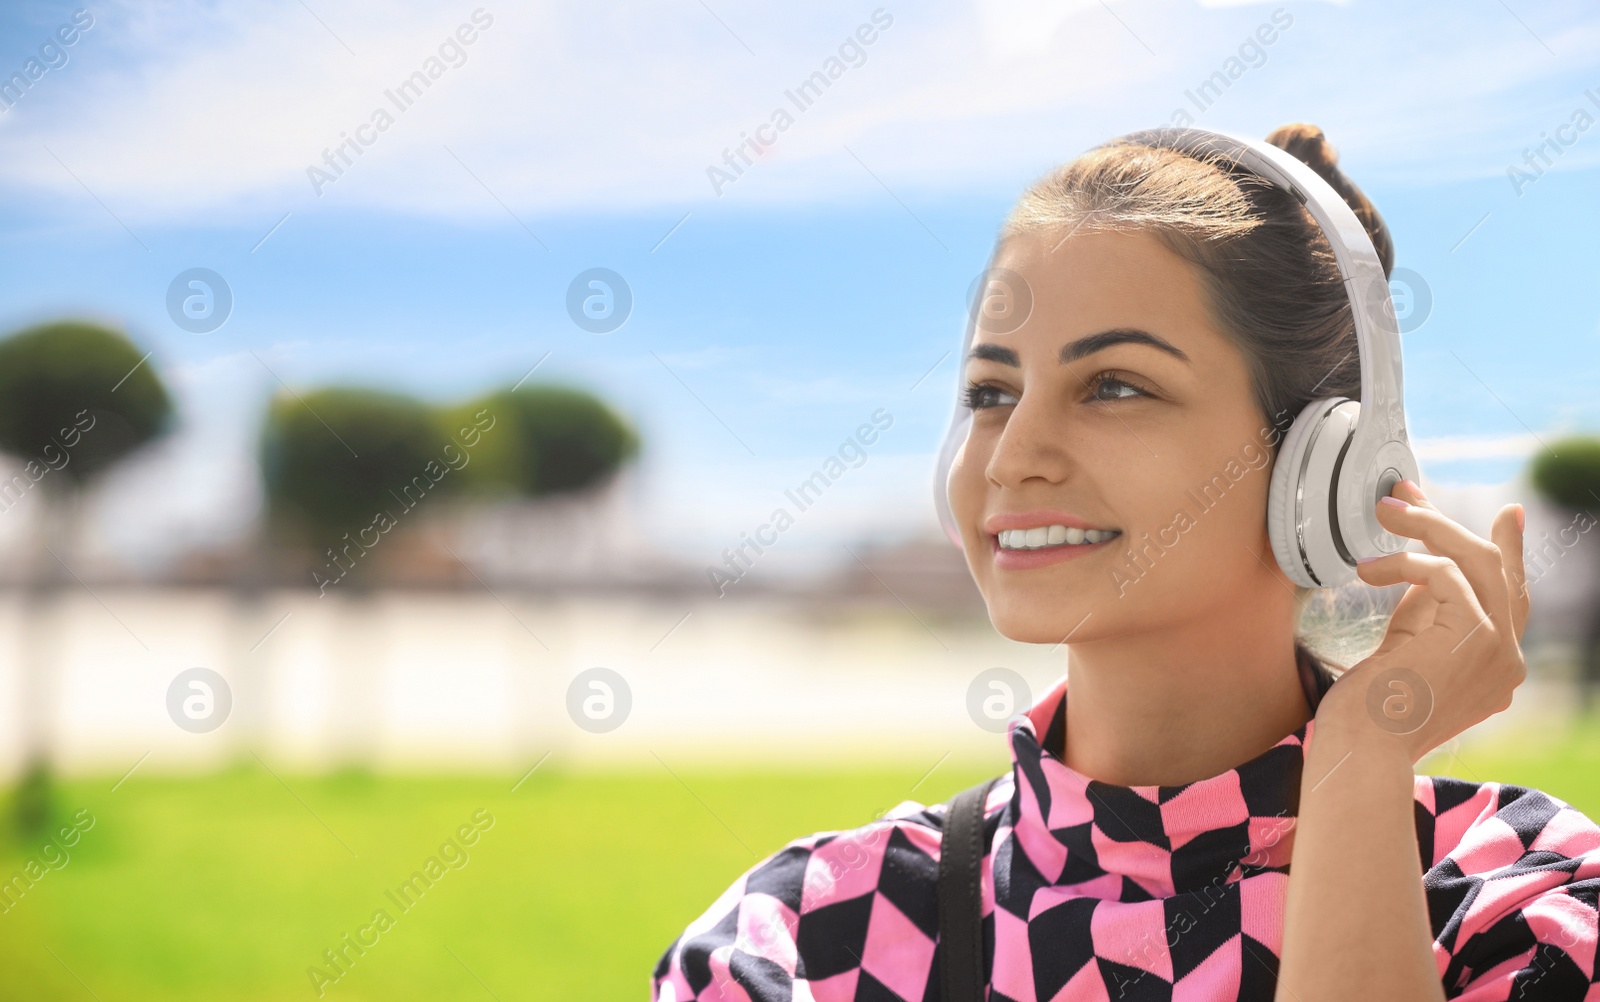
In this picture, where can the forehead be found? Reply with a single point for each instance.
(1094, 281)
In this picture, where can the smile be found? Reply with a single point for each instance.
(1047, 536)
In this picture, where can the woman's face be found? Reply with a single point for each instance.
(1116, 406)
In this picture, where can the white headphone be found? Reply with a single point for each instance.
(1340, 456)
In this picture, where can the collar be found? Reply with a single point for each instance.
(1137, 842)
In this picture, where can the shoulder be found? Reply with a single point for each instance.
(807, 912)
(1455, 816)
(1512, 879)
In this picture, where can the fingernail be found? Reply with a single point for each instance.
(1393, 501)
(1522, 519)
(1412, 486)
(1367, 560)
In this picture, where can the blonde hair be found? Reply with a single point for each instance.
(1272, 286)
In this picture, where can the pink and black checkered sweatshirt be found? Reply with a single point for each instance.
(1097, 891)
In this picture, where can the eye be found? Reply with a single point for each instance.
(1120, 389)
(981, 396)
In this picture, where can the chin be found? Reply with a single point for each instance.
(1035, 620)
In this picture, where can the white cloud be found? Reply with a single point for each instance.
(1011, 28)
(1445, 448)
(197, 112)
(1255, 3)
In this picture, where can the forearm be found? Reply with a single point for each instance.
(1356, 921)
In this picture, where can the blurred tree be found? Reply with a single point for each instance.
(1567, 473)
(335, 458)
(342, 467)
(540, 460)
(75, 399)
(545, 440)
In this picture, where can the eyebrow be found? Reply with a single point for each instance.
(1074, 350)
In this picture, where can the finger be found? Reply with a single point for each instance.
(1478, 558)
(1508, 533)
(1459, 610)
(1412, 614)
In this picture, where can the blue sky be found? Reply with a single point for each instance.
(819, 286)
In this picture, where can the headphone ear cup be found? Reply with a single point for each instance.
(1299, 519)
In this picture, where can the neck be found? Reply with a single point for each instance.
(1171, 706)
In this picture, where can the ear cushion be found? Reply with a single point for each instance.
(1302, 478)
(1279, 528)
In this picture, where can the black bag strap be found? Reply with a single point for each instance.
(960, 896)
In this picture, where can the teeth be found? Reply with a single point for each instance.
(1052, 535)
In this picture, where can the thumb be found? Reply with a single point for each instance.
(1508, 534)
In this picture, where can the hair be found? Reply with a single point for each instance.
(1271, 283)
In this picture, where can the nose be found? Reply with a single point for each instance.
(1033, 446)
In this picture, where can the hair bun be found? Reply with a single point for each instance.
(1308, 144)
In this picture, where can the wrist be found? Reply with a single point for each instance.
(1348, 719)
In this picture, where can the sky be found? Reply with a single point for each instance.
(774, 310)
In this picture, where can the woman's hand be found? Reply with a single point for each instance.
(1452, 654)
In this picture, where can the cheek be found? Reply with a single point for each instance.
(1214, 522)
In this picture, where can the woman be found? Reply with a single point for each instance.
(1182, 314)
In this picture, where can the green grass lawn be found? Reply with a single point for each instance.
(232, 886)
(228, 887)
